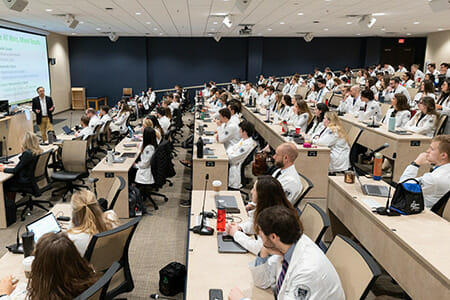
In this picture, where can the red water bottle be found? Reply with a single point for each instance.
(221, 219)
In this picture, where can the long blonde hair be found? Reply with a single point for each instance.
(87, 216)
(148, 123)
(31, 142)
(336, 125)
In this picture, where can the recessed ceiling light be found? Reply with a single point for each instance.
(260, 33)
(282, 23)
(215, 23)
(161, 33)
(440, 29)
(326, 29)
(73, 33)
(408, 33)
(270, 29)
(98, 28)
(81, 22)
(349, 23)
(210, 33)
(327, 0)
(383, 29)
(148, 23)
(378, 14)
(49, 10)
(138, 13)
(155, 28)
(416, 23)
(358, 34)
(300, 14)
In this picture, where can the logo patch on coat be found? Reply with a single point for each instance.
(302, 292)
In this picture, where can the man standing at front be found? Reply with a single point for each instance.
(43, 108)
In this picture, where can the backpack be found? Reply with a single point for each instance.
(408, 198)
(172, 279)
(135, 201)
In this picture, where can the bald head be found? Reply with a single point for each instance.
(355, 90)
(288, 153)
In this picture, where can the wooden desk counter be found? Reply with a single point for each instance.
(209, 269)
(107, 173)
(12, 129)
(414, 250)
(215, 165)
(403, 149)
(311, 162)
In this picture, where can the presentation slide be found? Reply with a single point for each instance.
(23, 65)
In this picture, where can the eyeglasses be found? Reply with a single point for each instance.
(420, 102)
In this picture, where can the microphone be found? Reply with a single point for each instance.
(202, 229)
(386, 211)
(16, 248)
(5, 159)
(156, 296)
(386, 145)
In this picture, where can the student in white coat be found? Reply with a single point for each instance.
(371, 108)
(261, 79)
(425, 121)
(322, 90)
(388, 68)
(290, 262)
(151, 96)
(285, 109)
(148, 148)
(286, 87)
(94, 120)
(435, 184)
(329, 81)
(227, 132)
(287, 175)
(426, 89)
(418, 75)
(163, 120)
(334, 137)
(407, 80)
(86, 130)
(301, 115)
(119, 122)
(104, 116)
(395, 88)
(143, 103)
(271, 97)
(401, 68)
(317, 123)
(249, 92)
(266, 192)
(238, 152)
(399, 110)
(431, 69)
(443, 103)
(293, 87)
(235, 110)
(262, 100)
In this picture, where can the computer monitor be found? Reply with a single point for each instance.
(43, 225)
(4, 106)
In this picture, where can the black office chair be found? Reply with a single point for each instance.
(441, 125)
(111, 246)
(111, 199)
(438, 207)
(99, 289)
(74, 162)
(244, 179)
(307, 185)
(33, 190)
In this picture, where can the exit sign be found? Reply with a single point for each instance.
(401, 41)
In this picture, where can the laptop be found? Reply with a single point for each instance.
(67, 130)
(43, 225)
(209, 133)
(372, 189)
(226, 244)
(208, 151)
(229, 202)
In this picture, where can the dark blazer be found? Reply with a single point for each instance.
(37, 105)
(23, 171)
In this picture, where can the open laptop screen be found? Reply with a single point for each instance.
(44, 225)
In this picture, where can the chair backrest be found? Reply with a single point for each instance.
(246, 162)
(353, 136)
(41, 165)
(441, 125)
(74, 156)
(127, 92)
(328, 95)
(315, 222)
(98, 290)
(355, 267)
(302, 90)
(384, 108)
(110, 246)
(114, 192)
(335, 100)
(412, 92)
(446, 212)
(307, 185)
(439, 207)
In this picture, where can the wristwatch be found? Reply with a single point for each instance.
(415, 164)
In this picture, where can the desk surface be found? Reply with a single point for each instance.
(422, 240)
(102, 166)
(218, 148)
(207, 268)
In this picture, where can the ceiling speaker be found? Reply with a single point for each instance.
(308, 37)
(242, 5)
(439, 5)
(71, 22)
(17, 5)
(113, 36)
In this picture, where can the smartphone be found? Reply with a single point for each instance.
(215, 294)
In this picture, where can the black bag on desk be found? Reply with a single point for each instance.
(408, 198)
(172, 279)
(10, 211)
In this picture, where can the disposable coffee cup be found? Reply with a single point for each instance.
(217, 184)
(27, 262)
(297, 130)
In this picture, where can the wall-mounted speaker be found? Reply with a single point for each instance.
(17, 5)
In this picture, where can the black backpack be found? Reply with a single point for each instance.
(135, 201)
(172, 279)
(408, 198)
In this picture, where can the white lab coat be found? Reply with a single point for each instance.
(284, 113)
(145, 101)
(246, 238)
(399, 90)
(321, 95)
(426, 126)
(309, 272)
(271, 100)
(419, 76)
(312, 96)
(299, 121)
(390, 69)
(373, 109)
(104, 120)
(262, 100)
(401, 117)
(293, 89)
(152, 98)
(236, 156)
(446, 106)
(339, 150)
(86, 132)
(165, 123)
(290, 181)
(361, 80)
(235, 119)
(408, 84)
(434, 184)
(330, 84)
(144, 169)
(286, 88)
(318, 74)
(347, 106)
(316, 128)
(419, 96)
(228, 134)
(94, 121)
(404, 70)
(121, 123)
(246, 95)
